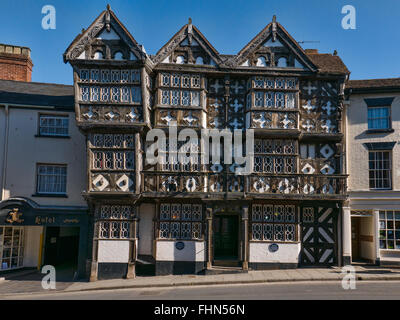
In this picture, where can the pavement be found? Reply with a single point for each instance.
(30, 281)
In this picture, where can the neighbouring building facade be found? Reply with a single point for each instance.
(193, 217)
(372, 213)
(43, 218)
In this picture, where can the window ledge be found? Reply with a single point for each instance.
(49, 195)
(50, 136)
(372, 131)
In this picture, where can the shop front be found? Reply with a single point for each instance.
(32, 236)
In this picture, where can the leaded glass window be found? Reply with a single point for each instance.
(12, 243)
(274, 222)
(180, 221)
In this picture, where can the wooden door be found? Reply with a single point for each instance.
(225, 231)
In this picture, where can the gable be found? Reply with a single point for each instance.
(188, 46)
(105, 38)
(273, 47)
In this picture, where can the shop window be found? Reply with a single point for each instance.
(389, 230)
(11, 247)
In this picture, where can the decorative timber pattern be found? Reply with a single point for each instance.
(319, 235)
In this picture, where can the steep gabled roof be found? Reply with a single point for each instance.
(107, 20)
(276, 32)
(327, 63)
(188, 30)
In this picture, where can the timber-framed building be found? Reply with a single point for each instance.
(191, 218)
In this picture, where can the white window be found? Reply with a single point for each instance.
(176, 81)
(282, 62)
(291, 100)
(53, 125)
(125, 94)
(180, 60)
(185, 81)
(195, 98)
(98, 55)
(115, 94)
(94, 94)
(51, 179)
(11, 247)
(199, 60)
(84, 93)
(380, 170)
(105, 94)
(261, 62)
(280, 100)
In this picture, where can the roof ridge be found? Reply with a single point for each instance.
(44, 83)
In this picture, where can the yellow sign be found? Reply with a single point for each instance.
(14, 216)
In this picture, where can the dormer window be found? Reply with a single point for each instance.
(180, 60)
(98, 55)
(261, 62)
(282, 62)
(118, 56)
(199, 60)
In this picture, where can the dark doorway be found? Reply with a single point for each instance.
(62, 247)
(226, 231)
(355, 239)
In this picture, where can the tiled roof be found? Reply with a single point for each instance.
(37, 94)
(328, 63)
(373, 83)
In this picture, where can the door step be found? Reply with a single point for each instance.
(223, 270)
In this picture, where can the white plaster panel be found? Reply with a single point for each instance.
(32, 246)
(146, 214)
(193, 251)
(113, 251)
(287, 252)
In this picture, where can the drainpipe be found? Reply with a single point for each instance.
(5, 152)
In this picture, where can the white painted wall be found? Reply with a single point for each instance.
(357, 154)
(193, 251)
(146, 216)
(25, 151)
(113, 251)
(32, 246)
(287, 252)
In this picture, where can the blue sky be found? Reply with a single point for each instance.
(370, 51)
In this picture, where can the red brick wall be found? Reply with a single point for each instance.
(15, 67)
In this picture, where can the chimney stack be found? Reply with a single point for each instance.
(15, 63)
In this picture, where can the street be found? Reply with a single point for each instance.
(277, 291)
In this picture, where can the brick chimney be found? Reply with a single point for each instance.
(15, 63)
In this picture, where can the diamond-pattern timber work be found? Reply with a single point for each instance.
(319, 235)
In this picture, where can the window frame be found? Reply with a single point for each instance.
(41, 193)
(390, 187)
(54, 116)
(389, 118)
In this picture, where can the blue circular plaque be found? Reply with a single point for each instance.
(179, 245)
(273, 247)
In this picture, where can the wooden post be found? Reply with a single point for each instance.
(94, 265)
(245, 220)
(209, 236)
(131, 272)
